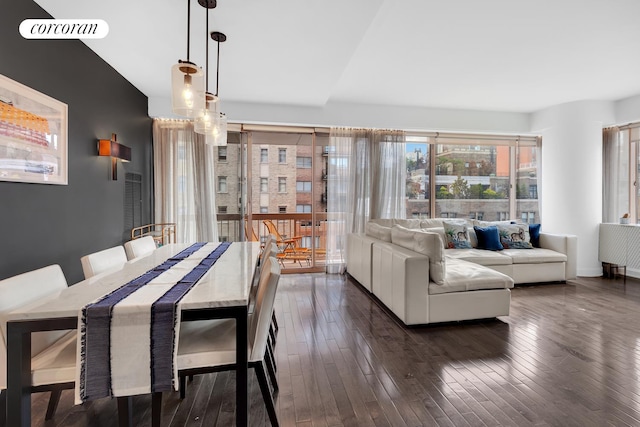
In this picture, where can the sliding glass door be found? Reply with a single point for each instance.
(286, 195)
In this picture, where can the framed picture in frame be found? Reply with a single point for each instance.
(33, 135)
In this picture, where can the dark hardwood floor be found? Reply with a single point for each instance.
(568, 355)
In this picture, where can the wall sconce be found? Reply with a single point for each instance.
(109, 147)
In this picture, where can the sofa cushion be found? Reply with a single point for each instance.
(534, 256)
(515, 236)
(378, 231)
(488, 238)
(425, 243)
(480, 256)
(385, 222)
(431, 223)
(390, 222)
(409, 223)
(457, 235)
(466, 276)
(490, 223)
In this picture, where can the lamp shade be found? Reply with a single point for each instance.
(218, 134)
(111, 148)
(187, 89)
(206, 118)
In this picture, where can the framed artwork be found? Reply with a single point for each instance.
(33, 135)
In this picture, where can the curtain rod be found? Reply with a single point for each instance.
(247, 127)
(627, 126)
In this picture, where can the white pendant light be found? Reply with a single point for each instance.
(187, 82)
(212, 123)
(218, 135)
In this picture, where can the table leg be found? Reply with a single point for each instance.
(125, 411)
(18, 375)
(242, 368)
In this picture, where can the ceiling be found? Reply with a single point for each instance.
(498, 55)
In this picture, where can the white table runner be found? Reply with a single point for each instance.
(128, 338)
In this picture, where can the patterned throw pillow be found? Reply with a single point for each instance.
(515, 236)
(457, 235)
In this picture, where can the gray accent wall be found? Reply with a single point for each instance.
(52, 224)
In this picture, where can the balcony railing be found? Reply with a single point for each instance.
(305, 256)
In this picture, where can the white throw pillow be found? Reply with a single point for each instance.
(425, 243)
(378, 231)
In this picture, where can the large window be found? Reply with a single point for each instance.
(472, 177)
(282, 155)
(527, 184)
(418, 189)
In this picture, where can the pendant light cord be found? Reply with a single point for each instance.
(206, 64)
(217, 67)
(188, 27)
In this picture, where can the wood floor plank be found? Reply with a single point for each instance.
(567, 355)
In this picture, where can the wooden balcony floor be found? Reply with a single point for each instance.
(568, 355)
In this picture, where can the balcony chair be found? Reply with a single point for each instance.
(290, 248)
(53, 354)
(210, 346)
(104, 260)
(139, 247)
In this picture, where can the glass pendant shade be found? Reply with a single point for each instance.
(187, 89)
(218, 134)
(205, 120)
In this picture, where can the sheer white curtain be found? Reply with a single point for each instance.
(615, 155)
(184, 181)
(366, 179)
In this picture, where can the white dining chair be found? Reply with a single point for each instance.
(102, 261)
(210, 346)
(53, 354)
(139, 247)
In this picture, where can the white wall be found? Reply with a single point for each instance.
(572, 173)
(365, 115)
(627, 110)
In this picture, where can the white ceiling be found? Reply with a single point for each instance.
(500, 55)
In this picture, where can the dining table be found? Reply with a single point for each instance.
(223, 292)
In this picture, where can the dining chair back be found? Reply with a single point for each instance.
(104, 260)
(139, 247)
(270, 250)
(261, 319)
(53, 354)
(210, 346)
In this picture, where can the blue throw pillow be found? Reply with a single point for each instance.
(488, 238)
(534, 233)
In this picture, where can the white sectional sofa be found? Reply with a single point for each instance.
(475, 282)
